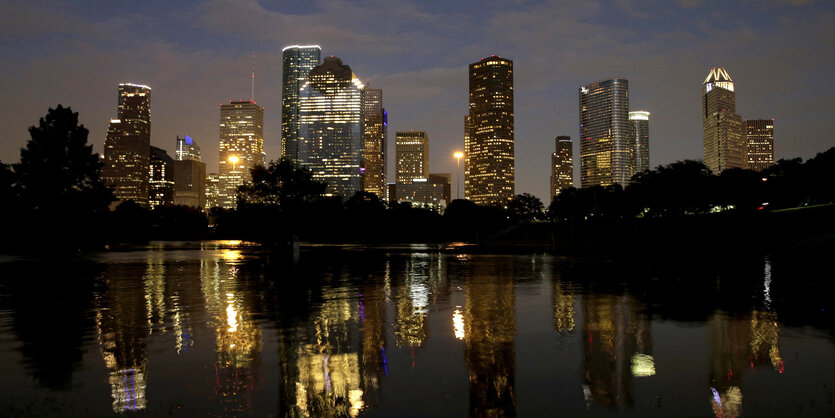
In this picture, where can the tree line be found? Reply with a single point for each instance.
(55, 195)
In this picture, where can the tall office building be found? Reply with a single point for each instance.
(160, 178)
(128, 145)
(331, 142)
(759, 136)
(241, 146)
(375, 125)
(189, 174)
(187, 149)
(724, 144)
(607, 156)
(639, 133)
(412, 153)
(212, 191)
(298, 61)
(489, 140)
(562, 166)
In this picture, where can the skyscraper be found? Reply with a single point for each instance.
(639, 132)
(724, 144)
(562, 166)
(489, 166)
(607, 156)
(375, 125)
(128, 145)
(241, 146)
(187, 149)
(212, 190)
(189, 174)
(412, 153)
(298, 61)
(759, 135)
(331, 142)
(161, 179)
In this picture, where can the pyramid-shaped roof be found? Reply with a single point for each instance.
(718, 74)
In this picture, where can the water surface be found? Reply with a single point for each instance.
(224, 329)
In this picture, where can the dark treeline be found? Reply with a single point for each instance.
(54, 196)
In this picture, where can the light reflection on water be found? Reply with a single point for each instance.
(223, 329)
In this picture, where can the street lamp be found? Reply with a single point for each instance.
(458, 155)
(234, 160)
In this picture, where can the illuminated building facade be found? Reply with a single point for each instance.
(724, 144)
(639, 133)
(331, 142)
(241, 146)
(298, 60)
(562, 165)
(187, 149)
(445, 180)
(375, 124)
(412, 154)
(759, 136)
(212, 191)
(160, 178)
(420, 193)
(489, 177)
(607, 155)
(190, 183)
(128, 145)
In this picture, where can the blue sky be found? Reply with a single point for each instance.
(196, 54)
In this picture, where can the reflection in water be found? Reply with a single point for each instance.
(617, 345)
(122, 319)
(490, 331)
(237, 336)
(740, 343)
(337, 324)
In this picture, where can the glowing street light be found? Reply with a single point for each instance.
(234, 160)
(458, 155)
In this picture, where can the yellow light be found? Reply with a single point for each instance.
(233, 159)
(458, 154)
(458, 324)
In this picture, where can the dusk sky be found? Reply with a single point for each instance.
(196, 54)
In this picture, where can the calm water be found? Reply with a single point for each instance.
(222, 329)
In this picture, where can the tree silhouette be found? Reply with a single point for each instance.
(58, 171)
(57, 181)
(525, 207)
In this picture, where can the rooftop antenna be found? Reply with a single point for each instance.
(252, 91)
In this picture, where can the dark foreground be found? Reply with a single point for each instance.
(224, 329)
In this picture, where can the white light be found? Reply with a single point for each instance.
(301, 46)
(639, 115)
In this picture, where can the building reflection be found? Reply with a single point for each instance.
(738, 344)
(563, 300)
(122, 318)
(237, 335)
(411, 326)
(617, 346)
(489, 339)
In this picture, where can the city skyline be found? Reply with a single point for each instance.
(661, 52)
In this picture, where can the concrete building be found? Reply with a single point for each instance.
(412, 156)
(489, 177)
(759, 136)
(562, 166)
(160, 178)
(724, 143)
(241, 146)
(127, 147)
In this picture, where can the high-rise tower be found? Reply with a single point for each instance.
(127, 147)
(187, 149)
(562, 166)
(241, 146)
(331, 142)
(639, 132)
(724, 144)
(412, 149)
(759, 136)
(607, 156)
(489, 138)
(298, 61)
(375, 125)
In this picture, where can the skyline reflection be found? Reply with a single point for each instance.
(224, 330)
